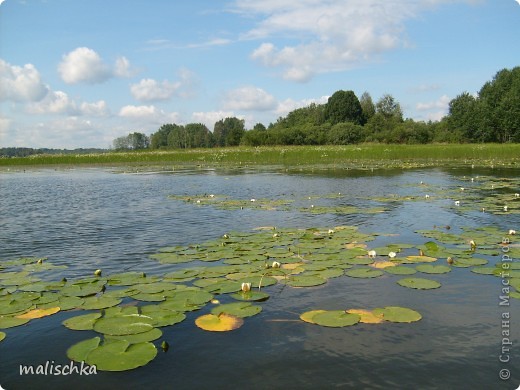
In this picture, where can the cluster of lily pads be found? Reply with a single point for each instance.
(127, 311)
(482, 193)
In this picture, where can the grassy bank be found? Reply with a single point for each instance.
(348, 155)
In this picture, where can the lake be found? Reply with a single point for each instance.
(109, 219)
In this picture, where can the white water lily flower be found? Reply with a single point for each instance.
(472, 244)
(198, 200)
(457, 203)
(512, 232)
(462, 188)
(331, 231)
(392, 254)
(211, 195)
(505, 208)
(517, 195)
(426, 196)
(372, 253)
(246, 287)
(275, 264)
(253, 200)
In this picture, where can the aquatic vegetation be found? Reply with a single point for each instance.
(129, 308)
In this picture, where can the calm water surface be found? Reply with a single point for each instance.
(94, 218)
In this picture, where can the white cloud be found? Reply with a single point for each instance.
(149, 115)
(249, 98)
(209, 118)
(58, 102)
(442, 103)
(84, 65)
(288, 105)
(329, 35)
(151, 90)
(21, 84)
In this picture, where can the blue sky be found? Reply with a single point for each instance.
(79, 73)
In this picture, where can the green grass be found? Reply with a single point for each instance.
(363, 155)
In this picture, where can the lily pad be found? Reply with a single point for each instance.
(468, 262)
(363, 273)
(433, 269)
(82, 322)
(367, 316)
(398, 314)
(151, 335)
(96, 303)
(419, 283)
(162, 317)
(257, 296)
(11, 322)
(305, 281)
(400, 270)
(124, 325)
(120, 355)
(309, 315)
(239, 309)
(79, 351)
(39, 313)
(2, 336)
(336, 318)
(219, 323)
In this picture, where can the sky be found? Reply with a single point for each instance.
(80, 73)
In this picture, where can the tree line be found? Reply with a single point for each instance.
(492, 115)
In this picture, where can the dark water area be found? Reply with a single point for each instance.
(95, 218)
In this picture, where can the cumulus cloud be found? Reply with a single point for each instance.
(442, 103)
(21, 84)
(210, 117)
(149, 114)
(249, 98)
(329, 35)
(153, 90)
(58, 102)
(84, 65)
(288, 105)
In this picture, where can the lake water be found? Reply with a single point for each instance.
(96, 218)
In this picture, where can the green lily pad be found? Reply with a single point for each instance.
(309, 315)
(124, 325)
(151, 335)
(239, 309)
(14, 306)
(398, 314)
(82, 322)
(96, 303)
(483, 270)
(364, 273)
(400, 270)
(120, 355)
(2, 336)
(419, 283)
(468, 262)
(335, 318)
(433, 269)
(304, 281)
(79, 351)
(10, 322)
(257, 296)
(162, 317)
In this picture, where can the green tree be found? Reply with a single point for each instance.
(389, 108)
(132, 141)
(229, 131)
(463, 116)
(159, 139)
(345, 133)
(368, 107)
(343, 106)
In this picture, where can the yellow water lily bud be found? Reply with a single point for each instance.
(275, 264)
(246, 287)
(97, 272)
(449, 260)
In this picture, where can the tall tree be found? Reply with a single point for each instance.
(368, 107)
(343, 106)
(229, 131)
(389, 107)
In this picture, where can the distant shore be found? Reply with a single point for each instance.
(356, 156)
